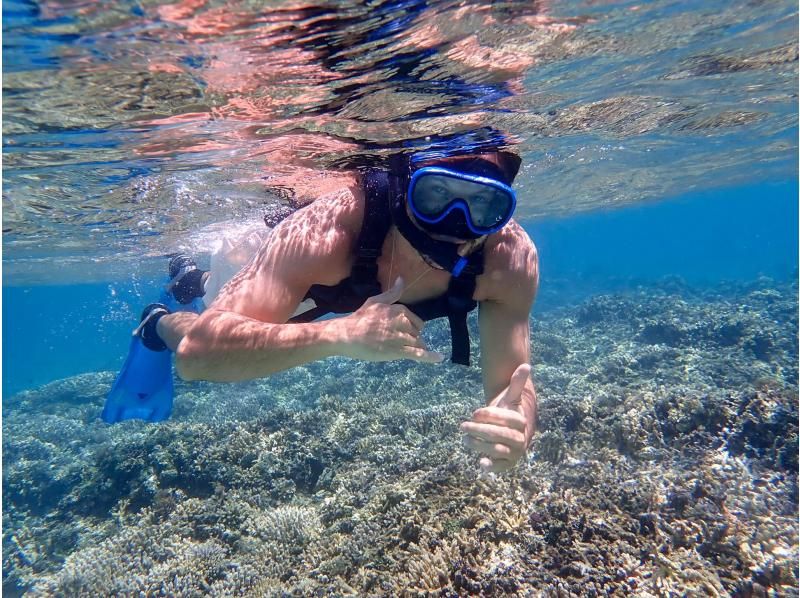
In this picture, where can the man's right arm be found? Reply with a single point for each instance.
(227, 347)
(244, 334)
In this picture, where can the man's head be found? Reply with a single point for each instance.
(462, 198)
(499, 165)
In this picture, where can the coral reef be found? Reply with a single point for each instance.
(666, 464)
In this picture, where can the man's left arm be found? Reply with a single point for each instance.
(502, 430)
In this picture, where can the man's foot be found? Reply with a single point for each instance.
(187, 281)
(147, 326)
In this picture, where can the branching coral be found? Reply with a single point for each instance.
(664, 465)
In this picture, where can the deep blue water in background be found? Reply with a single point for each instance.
(735, 234)
(728, 235)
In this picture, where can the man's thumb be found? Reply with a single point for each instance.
(512, 397)
(389, 296)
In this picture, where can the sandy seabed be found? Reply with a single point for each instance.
(666, 465)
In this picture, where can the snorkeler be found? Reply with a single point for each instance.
(431, 237)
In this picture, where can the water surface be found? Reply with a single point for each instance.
(129, 128)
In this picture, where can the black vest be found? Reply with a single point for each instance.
(352, 292)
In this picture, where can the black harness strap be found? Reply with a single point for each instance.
(460, 303)
(374, 228)
(456, 304)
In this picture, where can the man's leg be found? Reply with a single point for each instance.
(173, 327)
(187, 283)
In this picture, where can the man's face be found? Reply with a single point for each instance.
(454, 206)
(434, 193)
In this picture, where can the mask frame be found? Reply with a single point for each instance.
(458, 203)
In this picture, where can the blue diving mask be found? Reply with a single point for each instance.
(457, 204)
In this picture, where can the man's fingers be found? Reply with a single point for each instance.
(492, 433)
(498, 431)
(500, 416)
(422, 355)
(414, 320)
(392, 296)
(389, 296)
(496, 465)
(492, 450)
(406, 339)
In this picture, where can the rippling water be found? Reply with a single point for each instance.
(130, 127)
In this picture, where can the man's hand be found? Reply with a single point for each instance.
(381, 330)
(498, 430)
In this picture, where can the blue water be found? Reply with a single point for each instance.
(660, 162)
(737, 235)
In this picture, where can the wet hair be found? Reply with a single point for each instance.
(500, 166)
(480, 165)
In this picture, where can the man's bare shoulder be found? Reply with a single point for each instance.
(511, 262)
(312, 246)
(320, 238)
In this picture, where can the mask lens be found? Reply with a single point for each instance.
(433, 195)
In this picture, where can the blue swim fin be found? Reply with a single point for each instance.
(143, 388)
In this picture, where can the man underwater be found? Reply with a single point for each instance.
(433, 237)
